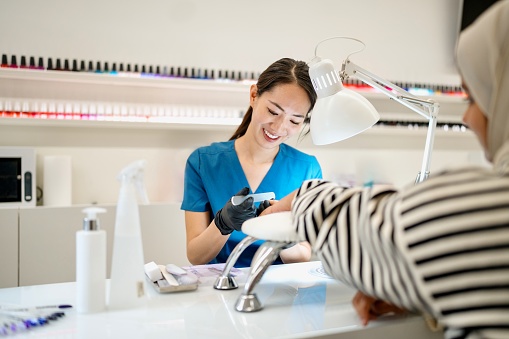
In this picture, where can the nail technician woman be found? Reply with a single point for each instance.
(254, 160)
(440, 247)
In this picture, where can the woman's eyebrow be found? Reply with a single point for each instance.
(281, 108)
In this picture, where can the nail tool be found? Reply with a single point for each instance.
(26, 309)
(237, 200)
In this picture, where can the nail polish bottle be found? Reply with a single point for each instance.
(83, 67)
(124, 72)
(31, 63)
(23, 62)
(50, 64)
(40, 64)
(58, 66)
(14, 63)
(4, 63)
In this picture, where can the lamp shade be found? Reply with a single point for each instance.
(341, 116)
(339, 113)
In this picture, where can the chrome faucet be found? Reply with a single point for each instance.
(225, 281)
(264, 257)
(277, 231)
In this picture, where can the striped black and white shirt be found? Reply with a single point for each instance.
(440, 247)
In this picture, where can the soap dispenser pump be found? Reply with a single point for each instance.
(91, 264)
(127, 286)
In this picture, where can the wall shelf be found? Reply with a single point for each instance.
(152, 102)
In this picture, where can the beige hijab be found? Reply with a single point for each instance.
(482, 57)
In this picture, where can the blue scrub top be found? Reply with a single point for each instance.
(213, 175)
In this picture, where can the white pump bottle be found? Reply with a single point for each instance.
(91, 264)
(127, 286)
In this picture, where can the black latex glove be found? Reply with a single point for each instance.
(231, 217)
(263, 205)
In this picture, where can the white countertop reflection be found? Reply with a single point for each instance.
(299, 300)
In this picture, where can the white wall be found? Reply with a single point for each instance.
(405, 40)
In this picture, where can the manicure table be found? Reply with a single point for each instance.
(299, 301)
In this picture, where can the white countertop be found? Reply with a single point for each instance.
(299, 302)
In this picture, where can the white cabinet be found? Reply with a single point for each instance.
(8, 247)
(47, 251)
(47, 243)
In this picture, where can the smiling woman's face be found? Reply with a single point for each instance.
(475, 119)
(278, 114)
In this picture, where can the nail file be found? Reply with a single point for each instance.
(171, 279)
(237, 200)
(153, 272)
(182, 276)
(175, 270)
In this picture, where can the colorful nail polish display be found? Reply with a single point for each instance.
(134, 112)
(420, 89)
(113, 111)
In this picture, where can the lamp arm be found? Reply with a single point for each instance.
(426, 108)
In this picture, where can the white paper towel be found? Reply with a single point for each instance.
(57, 180)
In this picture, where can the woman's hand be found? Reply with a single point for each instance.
(369, 308)
(231, 217)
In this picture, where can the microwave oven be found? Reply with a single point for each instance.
(17, 177)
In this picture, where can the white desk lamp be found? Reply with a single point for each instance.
(339, 113)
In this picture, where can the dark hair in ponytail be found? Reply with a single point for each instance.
(283, 71)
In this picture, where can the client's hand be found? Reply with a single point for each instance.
(369, 308)
(231, 217)
(282, 205)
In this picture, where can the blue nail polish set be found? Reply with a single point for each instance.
(17, 320)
